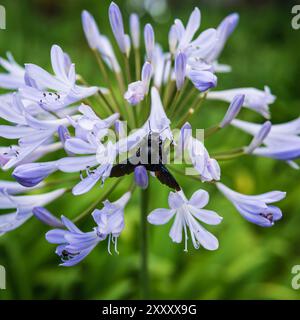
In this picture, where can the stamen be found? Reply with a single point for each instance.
(185, 237)
(116, 244)
(108, 246)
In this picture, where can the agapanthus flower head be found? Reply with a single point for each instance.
(138, 126)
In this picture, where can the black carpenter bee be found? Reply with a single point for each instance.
(149, 155)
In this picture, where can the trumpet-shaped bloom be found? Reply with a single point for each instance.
(99, 42)
(259, 137)
(149, 41)
(198, 70)
(63, 83)
(32, 133)
(74, 245)
(180, 69)
(141, 177)
(256, 100)
(12, 187)
(233, 110)
(137, 90)
(23, 206)
(14, 79)
(187, 214)
(224, 30)
(117, 26)
(134, 23)
(206, 167)
(161, 63)
(282, 142)
(256, 209)
(47, 217)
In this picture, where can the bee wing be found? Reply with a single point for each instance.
(120, 170)
(165, 177)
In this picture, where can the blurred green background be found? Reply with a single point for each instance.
(251, 263)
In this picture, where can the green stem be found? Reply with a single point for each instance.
(106, 102)
(210, 131)
(107, 79)
(144, 277)
(228, 155)
(184, 118)
(184, 102)
(127, 68)
(137, 64)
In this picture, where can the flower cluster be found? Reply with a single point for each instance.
(153, 99)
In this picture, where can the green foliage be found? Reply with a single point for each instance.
(251, 263)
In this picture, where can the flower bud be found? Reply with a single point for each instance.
(141, 177)
(180, 69)
(259, 137)
(31, 174)
(135, 30)
(233, 110)
(47, 217)
(116, 22)
(149, 41)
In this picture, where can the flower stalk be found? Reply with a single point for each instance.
(144, 273)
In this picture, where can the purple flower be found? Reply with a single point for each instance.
(12, 187)
(14, 79)
(187, 215)
(149, 41)
(203, 79)
(206, 167)
(161, 66)
(23, 206)
(47, 217)
(259, 138)
(116, 22)
(98, 41)
(173, 40)
(185, 35)
(74, 245)
(31, 174)
(224, 30)
(282, 142)
(63, 83)
(63, 134)
(110, 219)
(180, 69)
(141, 177)
(255, 209)
(134, 23)
(255, 99)
(137, 90)
(233, 110)
(158, 120)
